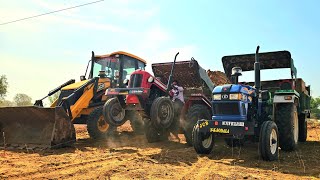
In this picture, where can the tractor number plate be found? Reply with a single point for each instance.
(220, 130)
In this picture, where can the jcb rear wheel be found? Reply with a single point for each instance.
(96, 125)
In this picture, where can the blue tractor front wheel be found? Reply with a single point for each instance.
(202, 142)
(269, 141)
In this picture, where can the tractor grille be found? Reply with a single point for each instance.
(226, 109)
(135, 80)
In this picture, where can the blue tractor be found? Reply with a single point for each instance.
(271, 112)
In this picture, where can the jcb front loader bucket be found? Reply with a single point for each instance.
(33, 126)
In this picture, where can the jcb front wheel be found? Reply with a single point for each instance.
(96, 125)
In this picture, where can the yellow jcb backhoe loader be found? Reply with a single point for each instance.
(79, 102)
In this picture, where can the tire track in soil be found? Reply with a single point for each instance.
(132, 158)
(53, 170)
(105, 170)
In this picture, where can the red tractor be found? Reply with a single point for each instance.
(149, 96)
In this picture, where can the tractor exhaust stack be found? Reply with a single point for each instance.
(257, 81)
(171, 73)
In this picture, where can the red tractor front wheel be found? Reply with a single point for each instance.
(162, 113)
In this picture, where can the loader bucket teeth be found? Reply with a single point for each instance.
(34, 126)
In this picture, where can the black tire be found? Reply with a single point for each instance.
(202, 143)
(113, 112)
(96, 125)
(162, 113)
(195, 113)
(233, 142)
(286, 117)
(268, 141)
(136, 122)
(303, 128)
(154, 135)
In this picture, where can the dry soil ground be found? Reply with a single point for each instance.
(129, 156)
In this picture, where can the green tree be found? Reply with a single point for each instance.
(315, 105)
(3, 86)
(6, 103)
(22, 100)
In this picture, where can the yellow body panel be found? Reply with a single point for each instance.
(74, 85)
(83, 102)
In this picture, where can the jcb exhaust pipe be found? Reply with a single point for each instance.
(257, 81)
(71, 81)
(39, 102)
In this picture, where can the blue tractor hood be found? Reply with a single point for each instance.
(235, 88)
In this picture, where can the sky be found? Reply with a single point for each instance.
(41, 53)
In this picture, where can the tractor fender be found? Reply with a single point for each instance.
(285, 98)
(196, 99)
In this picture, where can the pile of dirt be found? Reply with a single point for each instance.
(218, 77)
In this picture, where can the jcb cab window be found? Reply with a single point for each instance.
(141, 65)
(110, 65)
(129, 65)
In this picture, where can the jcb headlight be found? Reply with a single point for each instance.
(217, 97)
(235, 96)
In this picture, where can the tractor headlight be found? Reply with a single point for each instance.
(217, 97)
(150, 79)
(235, 96)
(236, 70)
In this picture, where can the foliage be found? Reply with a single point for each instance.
(315, 107)
(3, 86)
(6, 103)
(22, 100)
